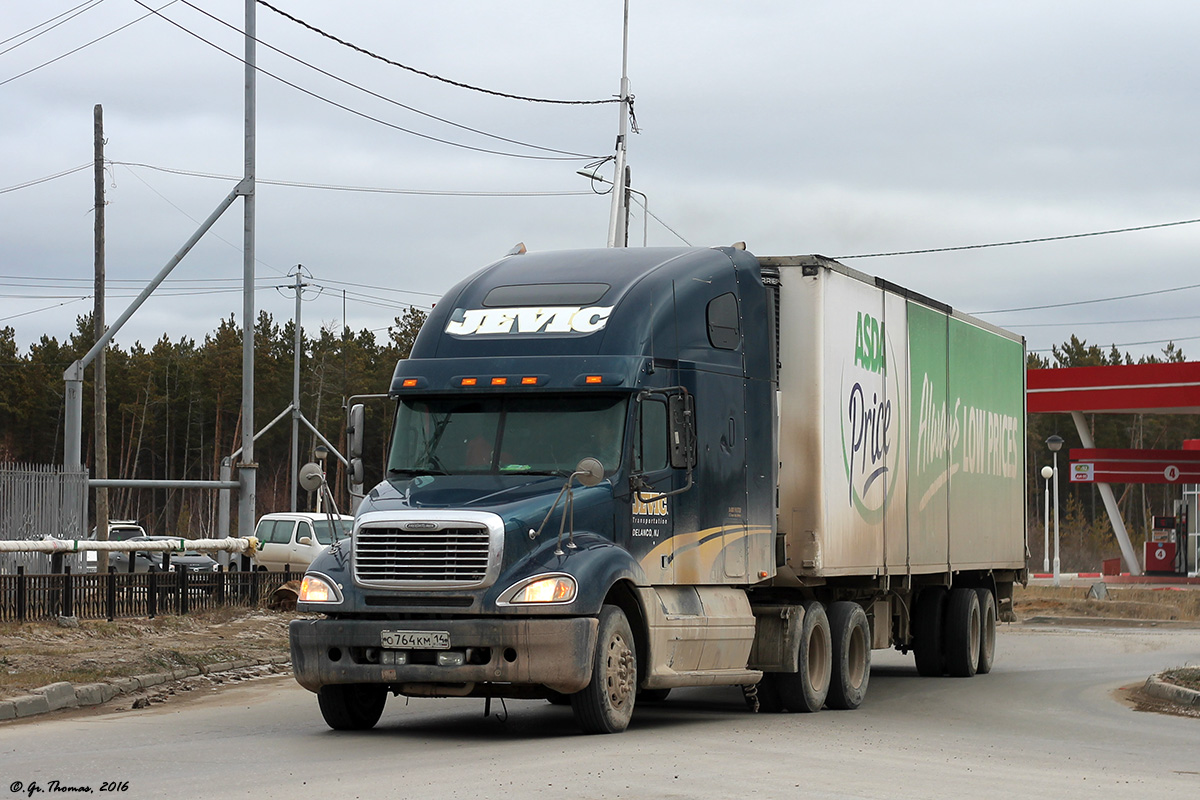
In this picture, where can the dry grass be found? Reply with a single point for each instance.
(1122, 603)
(37, 654)
(1188, 677)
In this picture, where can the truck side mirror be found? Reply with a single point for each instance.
(682, 430)
(354, 430)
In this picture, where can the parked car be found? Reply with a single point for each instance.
(119, 530)
(190, 560)
(293, 539)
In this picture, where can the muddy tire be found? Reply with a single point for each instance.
(806, 689)
(605, 705)
(962, 633)
(927, 631)
(351, 706)
(987, 631)
(850, 634)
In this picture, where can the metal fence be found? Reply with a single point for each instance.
(26, 597)
(36, 501)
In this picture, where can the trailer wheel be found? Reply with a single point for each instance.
(351, 706)
(962, 633)
(807, 689)
(605, 705)
(850, 633)
(987, 631)
(927, 631)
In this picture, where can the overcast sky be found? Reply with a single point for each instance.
(817, 127)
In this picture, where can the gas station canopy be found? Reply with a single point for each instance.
(1127, 389)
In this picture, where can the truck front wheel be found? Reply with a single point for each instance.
(351, 706)
(807, 689)
(605, 705)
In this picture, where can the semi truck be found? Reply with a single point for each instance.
(616, 472)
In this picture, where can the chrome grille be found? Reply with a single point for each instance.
(454, 555)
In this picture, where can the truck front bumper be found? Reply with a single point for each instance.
(552, 652)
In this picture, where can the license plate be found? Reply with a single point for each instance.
(415, 640)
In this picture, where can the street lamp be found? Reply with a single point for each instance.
(1055, 444)
(1047, 473)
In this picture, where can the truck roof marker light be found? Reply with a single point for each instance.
(469, 381)
(499, 381)
(591, 379)
(529, 381)
(409, 383)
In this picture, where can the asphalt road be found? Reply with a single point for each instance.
(1046, 722)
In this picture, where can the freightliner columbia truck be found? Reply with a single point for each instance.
(616, 472)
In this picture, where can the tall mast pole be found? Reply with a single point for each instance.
(247, 476)
(101, 385)
(618, 217)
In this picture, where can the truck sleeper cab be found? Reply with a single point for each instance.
(580, 503)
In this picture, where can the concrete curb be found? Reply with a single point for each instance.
(1179, 695)
(57, 696)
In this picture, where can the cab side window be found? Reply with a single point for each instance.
(650, 442)
(302, 530)
(724, 330)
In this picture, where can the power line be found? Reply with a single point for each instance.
(89, 44)
(365, 189)
(1098, 323)
(383, 97)
(37, 181)
(93, 4)
(431, 75)
(357, 113)
(1133, 344)
(1089, 302)
(46, 308)
(1021, 241)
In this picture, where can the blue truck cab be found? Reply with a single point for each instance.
(616, 472)
(484, 566)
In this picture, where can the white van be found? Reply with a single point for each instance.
(293, 539)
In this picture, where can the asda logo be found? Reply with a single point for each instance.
(869, 350)
(869, 449)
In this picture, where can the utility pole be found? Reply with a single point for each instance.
(296, 415)
(618, 218)
(101, 399)
(247, 466)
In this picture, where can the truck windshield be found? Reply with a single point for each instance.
(506, 435)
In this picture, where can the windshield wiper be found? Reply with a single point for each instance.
(417, 471)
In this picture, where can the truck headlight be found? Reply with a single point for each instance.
(318, 589)
(543, 589)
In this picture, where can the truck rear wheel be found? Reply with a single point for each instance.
(806, 689)
(962, 633)
(351, 706)
(605, 705)
(850, 633)
(927, 631)
(987, 631)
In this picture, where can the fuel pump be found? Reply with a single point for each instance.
(1164, 550)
